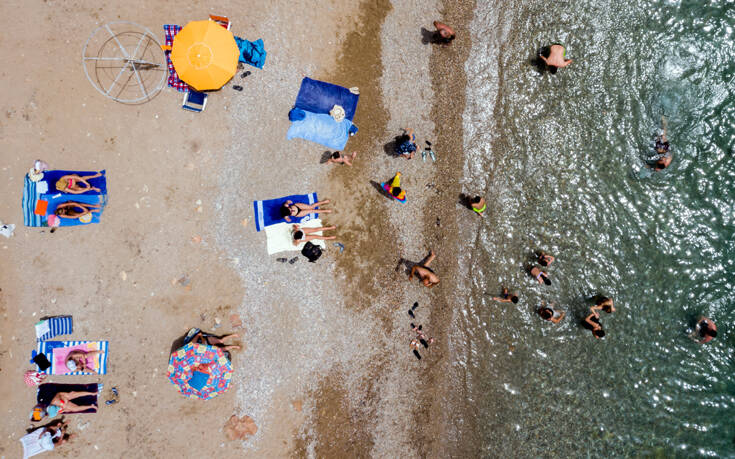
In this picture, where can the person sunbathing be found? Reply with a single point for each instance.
(76, 210)
(62, 403)
(54, 434)
(301, 235)
(339, 158)
(211, 340)
(80, 360)
(427, 275)
(300, 209)
(74, 184)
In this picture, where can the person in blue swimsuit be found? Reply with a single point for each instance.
(406, 144)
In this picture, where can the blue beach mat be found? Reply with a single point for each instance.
(251, 52)
(319, 97)
(267, 212)
(322, 129)
(33, 191)
(55, 199)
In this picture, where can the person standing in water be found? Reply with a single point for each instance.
(603, 304)
(541, 277)
(506, 297)
(705, 330)
(550, 314)
(544, 259)
(556, 58)
(478, 205)
(663, 150)
(444, 34)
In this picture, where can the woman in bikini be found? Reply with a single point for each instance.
(339, 158)
(80, 360)
(544, 259)
(551, 314)
(74, 184)
(592, 323)
(62, 403)
(300, 209)
(301, 235)
(77, 210)
(541, 276)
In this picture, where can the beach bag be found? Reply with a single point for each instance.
(311, 251)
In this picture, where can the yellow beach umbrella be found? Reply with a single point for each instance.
(205, 55)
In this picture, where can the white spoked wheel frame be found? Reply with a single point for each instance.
(124, 62)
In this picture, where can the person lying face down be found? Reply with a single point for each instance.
(299, 209)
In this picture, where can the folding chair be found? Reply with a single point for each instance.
(194, 101)
(221, 20)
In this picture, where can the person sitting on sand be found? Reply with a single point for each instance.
(506, 297)
(603, 304)
(76, 210)
(301, 235)
(541, 276)
(406, 144)
(300, 209)
(72, 184)
(550, 314)
(478, 205)
(556, 57)
(662, 150)
(544, 259)
(426, 274)
(592, 323)
(705, 330)
(81, 360)
(339, 158)
(53, 435)
(444, 34)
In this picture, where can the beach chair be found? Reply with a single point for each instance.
(221, 20)
(194, 101)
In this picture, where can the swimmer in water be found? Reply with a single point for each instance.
(506, 297)
(550, 314)
(663, 150)
(704, 331)
(603, 304)
(556, 57)
(540, 276)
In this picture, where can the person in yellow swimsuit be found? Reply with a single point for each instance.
(478, 205)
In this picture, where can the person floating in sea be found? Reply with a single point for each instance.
(307, 234)
(444, 34)
(506, 297)
(603, 304)
(592, 323)
(704, 331)
(551, 314)
(425, 273)
(663, 150)
(544, 259)
(478, 205)
(299, 209)
(339, 158)
(406, 144)
(541, 276)
(555, 57)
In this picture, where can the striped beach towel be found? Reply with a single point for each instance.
(57, 351)
(30, 199)
(54, 326)
(169, 32)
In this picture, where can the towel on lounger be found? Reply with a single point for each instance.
(268, 212)
(280, 237)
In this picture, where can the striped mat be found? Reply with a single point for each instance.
(54, 326)
(49, 348)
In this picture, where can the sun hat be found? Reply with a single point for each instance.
(338, 113)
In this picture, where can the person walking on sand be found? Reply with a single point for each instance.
(339, 158)
(556, 57)
(506, 297)
(300, 209)
(425, 273)
(541, 276)
(301, 235)
(544, 259)
(72, 183)
(550, 314)
(444, 34)
(478, 205)
(705, 330)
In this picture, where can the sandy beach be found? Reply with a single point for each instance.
(325, 368)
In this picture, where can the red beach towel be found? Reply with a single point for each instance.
(169, 32)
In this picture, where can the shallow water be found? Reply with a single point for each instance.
(561, 158)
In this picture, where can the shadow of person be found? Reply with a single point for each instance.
(465, 200)
(325, 157)
(428, 36)
(539, 63)
(381, 190)
(390, 147)
(407, 264)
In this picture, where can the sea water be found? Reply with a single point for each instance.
(561, 159)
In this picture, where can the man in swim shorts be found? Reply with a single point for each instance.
(556, 58)
(478, 205)
(427, 275)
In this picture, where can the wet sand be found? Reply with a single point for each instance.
(326, 367)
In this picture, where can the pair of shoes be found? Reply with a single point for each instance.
(237, 87)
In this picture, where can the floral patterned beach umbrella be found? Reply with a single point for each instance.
(200, 370)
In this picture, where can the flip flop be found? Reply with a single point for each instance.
(246, 74)
(282, 260)
(237, 87)
(293, 260)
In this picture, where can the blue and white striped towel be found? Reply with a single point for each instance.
(49, 347)
(54, 326)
